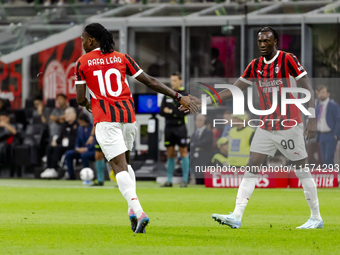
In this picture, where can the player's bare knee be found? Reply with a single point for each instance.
(119, 164)
(253, 166)
(98, 155)
(183, 151)
(170, 152)
(299, 164)
(252, 169)
(184, 154)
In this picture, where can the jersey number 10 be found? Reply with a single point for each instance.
(107, 82)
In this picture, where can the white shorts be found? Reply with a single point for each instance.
(289, 142)
(115, 138)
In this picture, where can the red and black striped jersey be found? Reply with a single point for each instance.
(275, 73)
(105, 77)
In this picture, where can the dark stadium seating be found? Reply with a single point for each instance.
(30, 151)
(29, 109)
(50, 103)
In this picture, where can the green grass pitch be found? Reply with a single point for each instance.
(64, 217)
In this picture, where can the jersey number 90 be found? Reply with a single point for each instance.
(288, 144)
(107, 82)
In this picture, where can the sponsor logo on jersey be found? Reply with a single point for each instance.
(272, 83)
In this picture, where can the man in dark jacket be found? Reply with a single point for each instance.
(201, 147)
(328, 124)
(7, 133)
(65, 141)
(82, 150)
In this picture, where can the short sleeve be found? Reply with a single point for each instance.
(80, 79)
(248, 74)
(132, 69)
(295, 69)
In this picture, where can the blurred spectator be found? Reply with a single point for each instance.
(57, 117)
(7, 132)
(200, 146)
(49, 2)
(216, 66)
(40, 110)
(221, 157)
(227, 116)
(100, 160)
(6, 128)
(1, 105)
(240, 137)
(82, 150)
(4, 105)
(64, 142)
(328, 124)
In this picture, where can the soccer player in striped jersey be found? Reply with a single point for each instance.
(103, 71)
(273, 71)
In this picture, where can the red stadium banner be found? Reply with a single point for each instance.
(55, 69)
(11, 82)
(232, 179)
(325, 178)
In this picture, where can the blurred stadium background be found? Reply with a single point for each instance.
(40, 42)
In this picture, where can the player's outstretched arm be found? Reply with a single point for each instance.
(156, 85)
(224, 94)
(310, 130)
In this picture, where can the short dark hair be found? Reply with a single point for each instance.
(62, 95)
(215, 52)
(178, 74)
(4, 113)
(39, 97)
(322, 86)
(269, 29)
(99, 32)
(84, 117)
